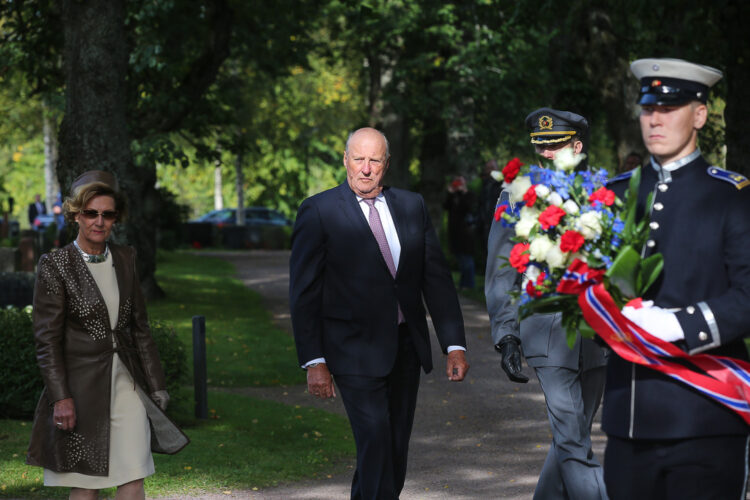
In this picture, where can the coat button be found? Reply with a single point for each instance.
(658, 206)
(690, 309)
(702, 336)
(653, 225)
(651, 243)
(663, 187)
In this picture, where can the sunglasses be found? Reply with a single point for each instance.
(93, 214)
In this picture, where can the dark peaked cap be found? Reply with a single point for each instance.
(551, 126)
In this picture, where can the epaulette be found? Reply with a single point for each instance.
(621, 177)
(737, 180)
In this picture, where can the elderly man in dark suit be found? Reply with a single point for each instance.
(365, 259)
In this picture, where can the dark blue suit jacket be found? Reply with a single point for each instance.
(344, 300)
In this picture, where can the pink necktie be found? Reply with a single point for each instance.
(377, 230)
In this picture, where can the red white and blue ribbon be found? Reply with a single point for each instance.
(726, 380)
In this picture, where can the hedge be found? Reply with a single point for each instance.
(22, 383)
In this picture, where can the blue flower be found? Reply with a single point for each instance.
(618, 225)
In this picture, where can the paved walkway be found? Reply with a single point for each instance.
(484, 438)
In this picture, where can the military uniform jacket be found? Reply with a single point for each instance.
(700, 222)
(74, 352)
(542, 337)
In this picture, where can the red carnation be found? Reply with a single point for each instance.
(571, 241)
(603, 195)
(499, 212)
(532, 289)
(511, 169)
(551, 216)
(530, 196)
(519, 257)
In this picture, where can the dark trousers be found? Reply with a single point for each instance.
(704, 468)
(381, 413)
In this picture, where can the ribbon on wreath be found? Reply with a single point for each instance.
(726, 380)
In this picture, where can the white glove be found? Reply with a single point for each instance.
(161, 398)
(659, 322)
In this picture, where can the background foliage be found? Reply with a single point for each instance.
(270, 90)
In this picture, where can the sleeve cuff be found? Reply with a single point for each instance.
(316, 360)
(455, 348)
(700, 328)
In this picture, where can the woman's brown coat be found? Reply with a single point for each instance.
(75, 351)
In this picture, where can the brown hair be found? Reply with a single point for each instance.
(83, 194)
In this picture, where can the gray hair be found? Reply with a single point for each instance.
(387, 144)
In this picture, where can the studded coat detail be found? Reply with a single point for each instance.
(75, 351)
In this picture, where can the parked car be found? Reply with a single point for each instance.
(264, 228)
(254, 216)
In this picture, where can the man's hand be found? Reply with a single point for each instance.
(320, 382)
(456, 365)
(64, 414)
(659, 322)
(511, 358)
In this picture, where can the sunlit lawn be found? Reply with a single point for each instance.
(248, 443)
(244, 347)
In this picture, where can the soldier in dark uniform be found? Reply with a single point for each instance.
(666, 440)
(572, 379)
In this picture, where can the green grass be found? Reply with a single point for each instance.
(243, 346)
(249, 444)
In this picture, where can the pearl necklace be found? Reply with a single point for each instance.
(92, 258)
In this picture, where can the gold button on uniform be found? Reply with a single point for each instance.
(702, 336)
(653, 225)
(651, 243)
(663, 187)
(658, 206)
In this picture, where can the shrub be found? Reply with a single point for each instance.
(22, 383)
(16, 289)
(174, 362)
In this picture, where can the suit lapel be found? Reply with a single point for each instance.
(399, 220)
(124, 280)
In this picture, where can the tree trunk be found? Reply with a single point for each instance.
(94, 132)
(435, 166)
(240, 192)
(51, 184)
(218, 185)
(389, 120)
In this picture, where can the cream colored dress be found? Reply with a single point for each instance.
(130, 435)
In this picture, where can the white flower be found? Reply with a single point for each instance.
(566, 159)
(590, 225)
(542, 191)
(497, 175)
(555, 257)
(518, 188)
(555, 199)
(539, 247)
(570, 207)
(528, 218)
(532, 273)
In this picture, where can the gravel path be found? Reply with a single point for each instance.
(484, 438)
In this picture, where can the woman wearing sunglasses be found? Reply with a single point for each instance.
(102, 409)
